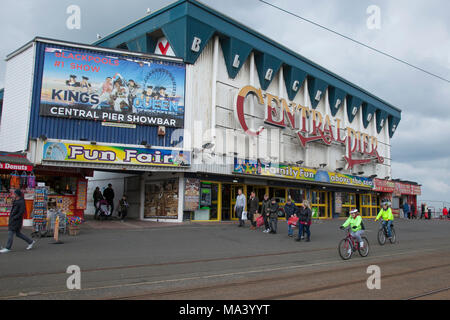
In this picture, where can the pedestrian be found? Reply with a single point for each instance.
(273, 216)
(97, 197)
(108, 194)
(406, 210)
(239, 207)
(413, 211)
(445, 212)
(305, 218)
(123, 208)
(290, 209)
(253, 206)
(422, 209)
(265, 210)
(425, 211)
(15, 222)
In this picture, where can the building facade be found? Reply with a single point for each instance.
(239, 111)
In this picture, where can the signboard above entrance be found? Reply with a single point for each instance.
(115, 155)
(309, 125)
(256, 167)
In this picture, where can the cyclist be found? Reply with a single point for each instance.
(355, 222)
(387, 216)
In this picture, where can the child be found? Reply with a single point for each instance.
(123, 207)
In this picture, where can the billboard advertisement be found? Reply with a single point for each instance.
(87, 85)
(255, 167)
(88, 153)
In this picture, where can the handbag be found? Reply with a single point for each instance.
(256, 216)
(293, 221)
(260, 221)
(244, 215)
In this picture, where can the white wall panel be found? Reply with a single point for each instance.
(17, 101)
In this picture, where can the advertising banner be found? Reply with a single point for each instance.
(87, 85)
(191, 194)
(87, 153)
(386, 186)
(298, 173)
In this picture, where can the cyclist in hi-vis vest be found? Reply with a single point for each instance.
(387, 216)
(355, 222)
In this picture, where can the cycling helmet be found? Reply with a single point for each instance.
(354, 211)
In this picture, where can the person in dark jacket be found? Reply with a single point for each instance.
(253, 206)
(108, 194)
(97, 197)
(15, 222)
(413, 211)
(290, 209)
(273, 216)
(266, 212)
(123, 207)
(304, 220)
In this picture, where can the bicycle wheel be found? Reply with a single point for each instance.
(381, 237)
(345, 249)
(393, 238)
(364, 252)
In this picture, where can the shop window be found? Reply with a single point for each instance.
(161, 199)
(278, 193)
(369, 205)
(348, 203)
(319, 204)
(297, 195)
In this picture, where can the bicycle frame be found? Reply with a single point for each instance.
(354, 244)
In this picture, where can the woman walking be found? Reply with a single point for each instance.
(304, 220)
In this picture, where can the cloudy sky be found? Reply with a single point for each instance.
(413, 30)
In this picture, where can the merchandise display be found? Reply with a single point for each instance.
(161, 199)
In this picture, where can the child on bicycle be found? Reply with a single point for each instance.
(387, 216)
(355, 222)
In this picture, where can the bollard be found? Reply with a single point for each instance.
(56, 232)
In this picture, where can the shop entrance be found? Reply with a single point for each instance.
(320, 204)
(229, 194)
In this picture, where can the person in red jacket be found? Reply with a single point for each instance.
(445, 212)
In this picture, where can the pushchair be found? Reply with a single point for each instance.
(104, 209)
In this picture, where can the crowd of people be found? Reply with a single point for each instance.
(269, 213)
(104, 203)
(300, 216)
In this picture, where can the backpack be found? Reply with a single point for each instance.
(362, 226)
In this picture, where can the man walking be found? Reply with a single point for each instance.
(273, 215)
(97, 197)
(265, 210)
(108, 194)
(253, 206)
(15, 222)
(406, 210)
(239, 207)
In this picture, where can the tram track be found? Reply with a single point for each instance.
(359, 264)
(161, 294)
(428, 294)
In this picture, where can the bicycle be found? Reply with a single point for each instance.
(348, 245)
(383, 234)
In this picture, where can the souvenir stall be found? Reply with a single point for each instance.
(67, 189)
